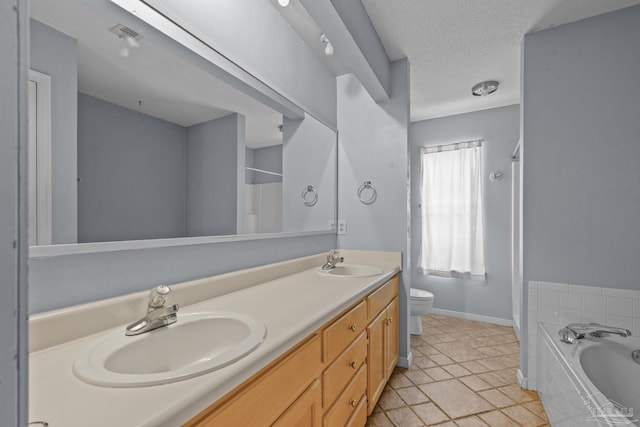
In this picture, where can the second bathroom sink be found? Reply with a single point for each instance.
(196, 344)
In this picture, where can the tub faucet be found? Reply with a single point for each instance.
(159, 314)
(576, 331)
(332, 259)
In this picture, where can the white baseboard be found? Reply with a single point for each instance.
(405, 362)
(524, 381)
(471, 316)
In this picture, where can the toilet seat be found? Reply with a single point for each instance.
(420, 294)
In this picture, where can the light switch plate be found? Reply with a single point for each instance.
(342, 226)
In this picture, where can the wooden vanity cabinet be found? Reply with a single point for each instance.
(333, 378)
(272, 393)
(382, 333)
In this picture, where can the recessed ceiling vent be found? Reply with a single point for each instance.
(125, 32)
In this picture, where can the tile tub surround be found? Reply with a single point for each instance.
(463, 374)
(560, 304)
(311, 299)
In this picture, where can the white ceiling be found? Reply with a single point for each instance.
(453, 44)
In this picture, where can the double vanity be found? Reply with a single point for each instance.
(281, 344)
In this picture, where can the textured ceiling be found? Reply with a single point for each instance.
(453, 44)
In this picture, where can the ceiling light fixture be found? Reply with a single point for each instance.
(485, 88)
(328, 48)
(283, 3)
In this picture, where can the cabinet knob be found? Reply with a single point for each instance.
(353, 364)
(353, 327)
(353, 403)
(390, 320)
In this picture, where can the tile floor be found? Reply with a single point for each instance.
(463, 374)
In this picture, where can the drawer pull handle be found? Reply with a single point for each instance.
(353, 364)
(353, 327)
(353, 403)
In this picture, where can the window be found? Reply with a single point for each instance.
(452, 220)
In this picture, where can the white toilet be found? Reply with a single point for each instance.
(420, 303)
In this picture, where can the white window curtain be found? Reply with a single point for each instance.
(452, 220)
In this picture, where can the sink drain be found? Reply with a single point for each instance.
(635, 355)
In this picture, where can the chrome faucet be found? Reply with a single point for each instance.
(332, 259)
(159, 314)
(576, 331)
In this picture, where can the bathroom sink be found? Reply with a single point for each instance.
(196, 344)
(352, 270)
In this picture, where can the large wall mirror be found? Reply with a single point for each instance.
(145, 142)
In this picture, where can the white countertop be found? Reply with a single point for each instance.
(291, 307)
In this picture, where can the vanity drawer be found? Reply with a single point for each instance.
(261, 400)
(338, 375)
(343, 331)
(378, 300)
(359, 416)
(348, 401)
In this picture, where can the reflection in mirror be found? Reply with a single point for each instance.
(163, 148)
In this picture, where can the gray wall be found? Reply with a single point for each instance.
(308, 158)
(500, 129)
(372, 146)
(54, 54)
(581, 153)
(131, 168)
(13, 217)
(212, 169)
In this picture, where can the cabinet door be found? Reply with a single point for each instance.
(306, 411)
(391, 330)
(376, 362)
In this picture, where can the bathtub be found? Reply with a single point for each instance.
(590, 383)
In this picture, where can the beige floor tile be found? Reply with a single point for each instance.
(438, 374)
(457, 370)
(494, 379)
(379, 419)
(389, 399)
(459, 351)
(498, 419)
(412, 395)
(489, 351)
(475, 383)
(399, 380)
(521, 415)
(537, 408)
(427, 350)
(450, 394)
(496, 398)
(430, 414)
(404, 417)
(488, 356)
(519, 395)
(418, 377)
(474, 367)
(441, 359)
(424, 362)
(471, 422)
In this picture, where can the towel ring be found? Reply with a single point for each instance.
(367, 186)
(309, 189)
